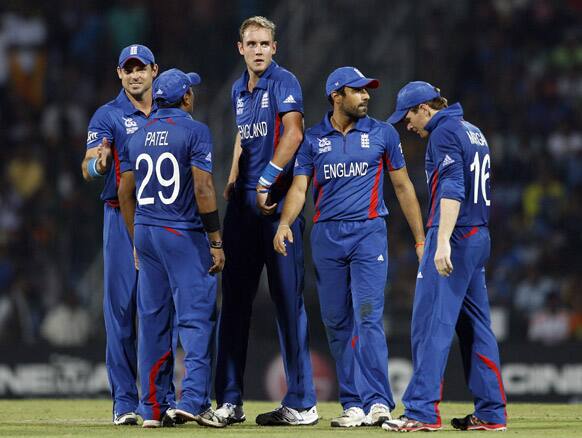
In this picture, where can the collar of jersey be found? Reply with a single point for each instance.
(262, 84)
(127, 107)
(364, 124)
(164, 113)
(454, 110)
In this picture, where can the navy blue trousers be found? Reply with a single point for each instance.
(248, 245)
(174, 285)
(351, 266)
(443, 306)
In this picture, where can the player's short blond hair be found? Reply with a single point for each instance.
(257, 21)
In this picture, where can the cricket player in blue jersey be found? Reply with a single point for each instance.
(345, 155)
(167, 171)
(109, 130)
(451, 294)
(269, 115)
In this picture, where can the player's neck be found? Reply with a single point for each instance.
(342, 122)
(142, 103)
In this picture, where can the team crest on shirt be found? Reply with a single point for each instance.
(324, 145)
(130, 125)
(240, 106)
(365, 141)
(265, 100)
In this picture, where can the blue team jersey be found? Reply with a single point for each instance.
(457, 165)
(347, 170)
(258, 120)
(161, 155)
(117, 121)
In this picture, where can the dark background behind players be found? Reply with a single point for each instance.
(515, 65)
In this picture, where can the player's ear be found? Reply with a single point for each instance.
(119, 72)
(274, 47)
(155, 69)
(240, 47)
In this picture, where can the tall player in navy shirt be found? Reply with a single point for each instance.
(109, 130)
(269, 115)
(167, 168)
(451, 294)
(345, 155)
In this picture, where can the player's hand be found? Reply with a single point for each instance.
(419, 252)
(218, 260)
(442, 259)
(135, 259)
(284, 233)
(103, 156)
(228, 191)
(265, 209)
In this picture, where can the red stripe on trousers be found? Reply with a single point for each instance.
(354, 340)
(153, 374)
(473, 231)
(436, 406)
(491, 365)
(372, 210)
(171, 230)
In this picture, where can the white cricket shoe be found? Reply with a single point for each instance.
(205, 418)
(351, 417)
(285, 416)
(231, 413)
(379, 413)
(127, 419)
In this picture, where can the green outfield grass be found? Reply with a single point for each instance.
(90, 418)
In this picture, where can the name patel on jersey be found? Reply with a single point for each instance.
(252, 131)
(156, 138)
(345, 170)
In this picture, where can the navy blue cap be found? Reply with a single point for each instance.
(348, 76)
(171, 85)
(412, 94)
(136, 51)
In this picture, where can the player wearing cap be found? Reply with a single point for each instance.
(451, 294)
(269, 114)
(178, 247)
(109, 130)
(346, 154)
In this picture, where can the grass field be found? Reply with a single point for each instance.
(90, 418)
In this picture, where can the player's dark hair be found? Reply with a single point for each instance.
(438, 103)
(341, 92)
(169, 105)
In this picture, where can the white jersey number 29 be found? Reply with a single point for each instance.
(174, 180)
(481, 169)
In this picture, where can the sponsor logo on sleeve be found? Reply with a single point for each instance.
(289, 99)
(91, 137)
(209, 157)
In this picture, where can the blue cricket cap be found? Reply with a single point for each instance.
(171, 85)
(412, 94)
(136, 51)
(348, 76)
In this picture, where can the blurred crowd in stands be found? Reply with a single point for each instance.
(515, 65)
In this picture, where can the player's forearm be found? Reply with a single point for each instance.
(411, 208)
(205, 197)
(127, 207)
(448, 218)
(294, 202)
(237, 150)
(288, 145)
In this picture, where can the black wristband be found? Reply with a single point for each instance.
(211, 221)
(216, 244)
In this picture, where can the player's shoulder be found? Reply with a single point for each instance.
(105, 110)
(195, 126)
(281, 74)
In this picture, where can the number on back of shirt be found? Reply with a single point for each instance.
(174, 180)
(481, 175)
